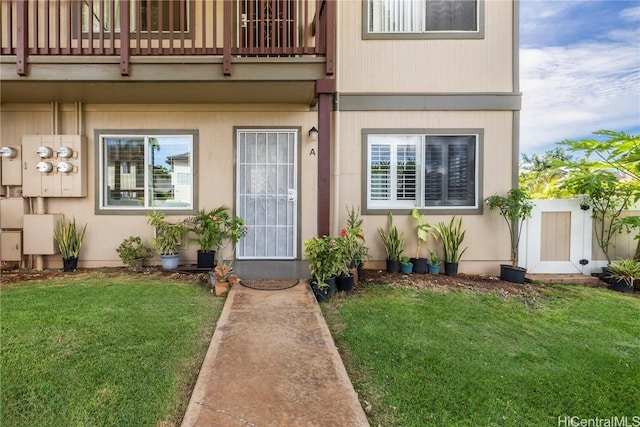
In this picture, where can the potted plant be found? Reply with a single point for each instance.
(168, 237)
(352, 242)
(69, 241)
(515, 207)
(132, 251)
(393, 244)
(207, 230)
(452, 237)
(434, 263)
(406, 266)
(325, 263)
(222, 278)
(622, 274)
(422, 231)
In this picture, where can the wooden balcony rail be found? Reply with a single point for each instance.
(125, 28)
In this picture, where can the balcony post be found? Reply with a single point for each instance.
(330, 28)
(22, 48)
(124, 37)
(227, 28)
(325, 89)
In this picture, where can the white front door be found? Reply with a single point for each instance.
(267, 195)
(557, 238)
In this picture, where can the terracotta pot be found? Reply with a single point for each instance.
(221, 288)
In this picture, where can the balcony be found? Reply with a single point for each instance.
(275, 48)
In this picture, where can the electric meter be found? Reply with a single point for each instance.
(44, 152)
(65, 167)
(65, 152)
(9, 152)
(44, 167)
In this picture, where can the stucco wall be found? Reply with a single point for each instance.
(215, 177)
(487, 237)
(410, 66)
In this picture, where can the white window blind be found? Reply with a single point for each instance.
(422, 171)
(419, 16)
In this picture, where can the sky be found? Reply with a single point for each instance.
(579, 70)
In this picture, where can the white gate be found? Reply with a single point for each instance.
(557, 238)
(267, 195)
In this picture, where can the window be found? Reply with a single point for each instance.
(157, 15)
(430, 171)
(423, 18)
(146, 171)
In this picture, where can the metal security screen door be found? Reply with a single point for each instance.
(267, 194)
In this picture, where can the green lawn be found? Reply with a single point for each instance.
(101, 350)
(422, 358)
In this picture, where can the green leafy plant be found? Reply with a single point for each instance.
(132, 251)
(515, 207)
(392, 240)
(208, 228)
(404, 260)
(452, 237)
(354, 248)
(69, 239)
(325, 258)
(422, 229)
(609, 175)
(626, 269)
(608, 198)
(168, 235)
(435, 258)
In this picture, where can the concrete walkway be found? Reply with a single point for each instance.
(272, 362)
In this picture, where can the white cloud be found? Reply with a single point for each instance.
(572, 91)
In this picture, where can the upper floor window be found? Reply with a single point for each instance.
(147, 15)
(153, 171)
(429, 171)
(423, 18)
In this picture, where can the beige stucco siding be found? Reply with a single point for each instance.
(215, 168)
(487, 236)
(410, 66)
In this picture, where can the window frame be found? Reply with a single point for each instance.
(405, 207)
(102, 209)
(451, 34)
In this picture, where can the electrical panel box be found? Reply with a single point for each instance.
(10, 245)
(54, 166)
(38, 234)
(11, 159)
(11, 212)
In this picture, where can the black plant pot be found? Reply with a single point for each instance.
(420, 265)
(69, 264)
(393, 266)
(512, 274)
(606, 276)
(206, 259)
(321, 294)
(620, 285)
(331, 281)
(345, 283)
(451, 268)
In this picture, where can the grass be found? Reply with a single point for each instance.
(421, 358)
(102, 350)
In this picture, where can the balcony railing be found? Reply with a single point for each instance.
(126, 28)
